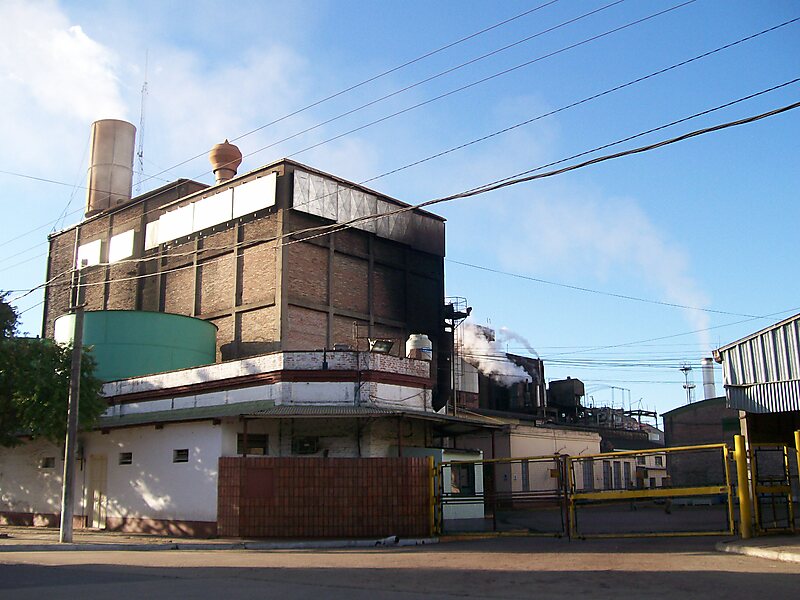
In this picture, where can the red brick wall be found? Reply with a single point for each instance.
(323, 497)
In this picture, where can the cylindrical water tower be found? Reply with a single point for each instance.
(110, 179)
(130, 343)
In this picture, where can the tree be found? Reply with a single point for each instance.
(34, 385)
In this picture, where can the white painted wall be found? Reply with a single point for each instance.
(26, 487)
(153, 486)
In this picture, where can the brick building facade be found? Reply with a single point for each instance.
(177, 250)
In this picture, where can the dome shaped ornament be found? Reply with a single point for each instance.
(225, 160)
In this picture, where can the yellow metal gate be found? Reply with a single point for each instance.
(677, 491)
(661, 492)
(772, 487)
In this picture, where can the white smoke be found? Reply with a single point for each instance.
(488, 356)
(506, 335)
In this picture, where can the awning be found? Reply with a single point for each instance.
(266, 409)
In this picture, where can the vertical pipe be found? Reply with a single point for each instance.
(745, 510)
(797, 449)
(797, 456)
(572, 524)
(431, 497)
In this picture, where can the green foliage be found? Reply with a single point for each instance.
(34, 389)
(8, 318)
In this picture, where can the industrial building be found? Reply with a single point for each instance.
(244, 255)
(762, 379)
(246, 331)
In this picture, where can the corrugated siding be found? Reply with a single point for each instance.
(762, 372)
(765, 397)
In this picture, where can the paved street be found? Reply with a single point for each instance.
(492, 568)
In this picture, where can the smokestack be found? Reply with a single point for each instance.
(225, 159)
(709, 388)
(110, 177)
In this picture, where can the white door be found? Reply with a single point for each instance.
(96, 491)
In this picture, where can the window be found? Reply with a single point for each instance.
(126, 458)
(652, 482)
(626, 469)
(47, 462)
(606, 474)
(659, 461)
(640, 461)
(257, 444)
(462, 479)
(526, 476)
(180, 456)
(617, 475)
(588, 473)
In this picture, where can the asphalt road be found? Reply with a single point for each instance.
(495, 568)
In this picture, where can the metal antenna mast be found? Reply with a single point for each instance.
(140, 147)
(689, 387)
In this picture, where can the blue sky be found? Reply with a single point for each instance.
(709, 223)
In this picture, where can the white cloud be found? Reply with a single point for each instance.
(577, 232)
(568, 231)
(57, 66)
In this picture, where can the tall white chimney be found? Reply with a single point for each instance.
(709, 388)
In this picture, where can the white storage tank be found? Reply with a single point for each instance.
(110, 179)
(419, 346)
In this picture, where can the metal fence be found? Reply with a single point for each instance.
(662, 492)
(686, 490)
(520, 495)
(773, 473)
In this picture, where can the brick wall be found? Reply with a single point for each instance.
(323, 498)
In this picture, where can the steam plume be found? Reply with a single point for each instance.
(488, 356)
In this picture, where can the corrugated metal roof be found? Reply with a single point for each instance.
(781, 396)
(762, 370)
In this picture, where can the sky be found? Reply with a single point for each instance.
(595, 268)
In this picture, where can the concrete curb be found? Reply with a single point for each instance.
(759, 552)
(285, 545)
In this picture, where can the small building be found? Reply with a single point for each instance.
(160, 459)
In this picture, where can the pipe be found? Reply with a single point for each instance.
(745, 508)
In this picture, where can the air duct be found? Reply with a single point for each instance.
(110, 178)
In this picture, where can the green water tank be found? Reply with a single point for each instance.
(131, 343)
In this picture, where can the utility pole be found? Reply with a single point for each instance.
(68, 487)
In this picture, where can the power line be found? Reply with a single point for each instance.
(584, 100)
(521, 178)
(484, 79)
(373, 78)
(515, 126)
(430, 100)
(594, 291)
(671, 336)
(436, 76)
(473, 192)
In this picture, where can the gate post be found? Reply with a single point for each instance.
(743, 488)
(797, 448)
